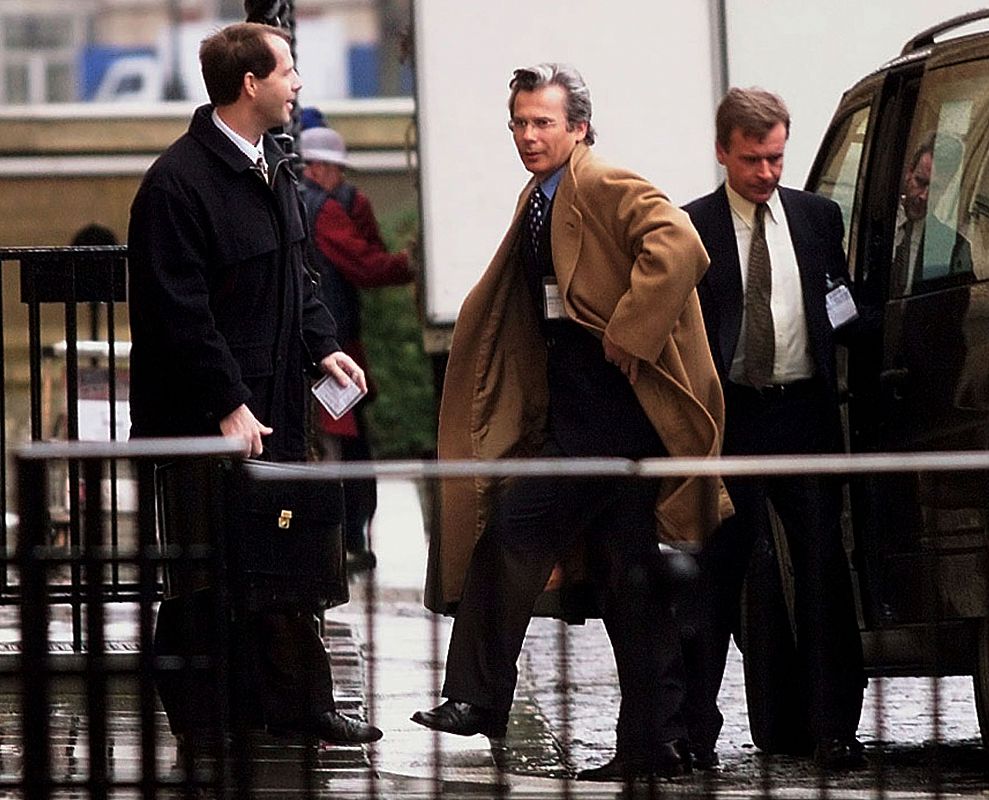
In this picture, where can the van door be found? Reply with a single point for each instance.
(936, 337)
(918, 378)
(843, 172)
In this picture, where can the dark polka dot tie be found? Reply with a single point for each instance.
(536, 216)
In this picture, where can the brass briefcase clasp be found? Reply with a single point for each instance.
(284, 519)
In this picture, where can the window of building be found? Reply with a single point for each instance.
(37, 57)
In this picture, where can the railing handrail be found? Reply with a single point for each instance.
(831, 464)
(176, 447)
(834, 464)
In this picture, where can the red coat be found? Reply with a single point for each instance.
(350, 256)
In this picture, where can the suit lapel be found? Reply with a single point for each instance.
(725, 279)
(567, 223)
(811, 264)
(804, 242)
(807, 249)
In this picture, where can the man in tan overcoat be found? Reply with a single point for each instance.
(584, 338)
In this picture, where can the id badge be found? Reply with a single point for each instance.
(841, 306)
(552, 301)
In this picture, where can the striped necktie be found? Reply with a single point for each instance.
(262, 166)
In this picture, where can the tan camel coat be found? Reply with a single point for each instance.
(627, 262)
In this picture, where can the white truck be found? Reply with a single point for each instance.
(656, 70)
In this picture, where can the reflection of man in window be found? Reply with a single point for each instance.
(924, 247)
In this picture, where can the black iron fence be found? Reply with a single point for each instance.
(104, 687)
(61, 365)
(82, 573)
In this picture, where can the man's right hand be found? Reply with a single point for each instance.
(242, 423)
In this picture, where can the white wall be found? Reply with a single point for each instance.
(811, 52)
(650, 68)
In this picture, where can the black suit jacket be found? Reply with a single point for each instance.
(816, 230)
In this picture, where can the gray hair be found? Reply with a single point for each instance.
(578, 102)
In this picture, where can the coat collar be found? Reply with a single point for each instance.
(203, 129)
(567, 223)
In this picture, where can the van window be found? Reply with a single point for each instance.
(942, 219)
(840, 174)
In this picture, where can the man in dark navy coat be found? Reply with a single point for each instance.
(775, 255)
(225, 323)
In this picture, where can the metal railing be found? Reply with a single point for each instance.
(566, 668)
(84, 720)
(43, 674)
(62, 289)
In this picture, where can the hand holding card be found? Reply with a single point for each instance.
(337, 399)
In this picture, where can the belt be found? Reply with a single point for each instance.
(778, 391)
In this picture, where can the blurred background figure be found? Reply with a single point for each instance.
(347, 249)
(94, 235)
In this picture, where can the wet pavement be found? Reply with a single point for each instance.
(387, 654)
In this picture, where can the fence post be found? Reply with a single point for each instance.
(32, 490)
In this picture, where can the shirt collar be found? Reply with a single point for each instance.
(549, 185)
(745, 209)
(252, 151)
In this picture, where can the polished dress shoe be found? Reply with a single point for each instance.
(333, 727)
(463, 719)
(361, 560)
(670, 760)
(840, 754)
(705, 759)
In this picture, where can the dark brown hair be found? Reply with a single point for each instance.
(755, 112)
(229, 54)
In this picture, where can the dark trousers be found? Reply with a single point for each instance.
(535, 522)
(360, 496)
(274, 665)
(829, 650)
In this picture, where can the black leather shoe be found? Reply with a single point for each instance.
(671, 760)
(463, 719)
(838, 755)
(705, 759)
(334, 728)
(361, 560)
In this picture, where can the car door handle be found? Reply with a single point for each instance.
(894, 377)
(894, 380)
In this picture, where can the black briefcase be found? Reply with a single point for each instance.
(274, 531)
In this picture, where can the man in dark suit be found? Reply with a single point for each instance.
(775, 253)
(925, 249)
(584, 337)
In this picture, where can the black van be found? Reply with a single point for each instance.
(906, 156)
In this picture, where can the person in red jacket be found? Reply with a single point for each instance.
(346, 248)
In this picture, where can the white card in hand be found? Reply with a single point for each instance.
(337, 399)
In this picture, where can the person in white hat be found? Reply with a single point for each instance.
(347, 250)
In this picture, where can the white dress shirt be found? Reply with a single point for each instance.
(252, 151)
(792, 361)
